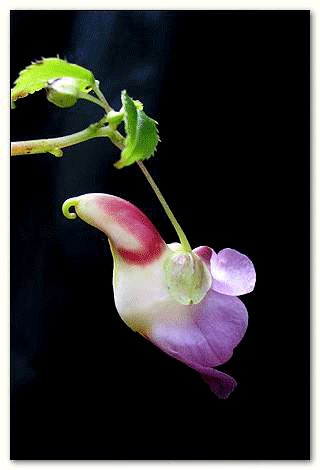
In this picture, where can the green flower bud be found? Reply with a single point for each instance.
(63, 92)
(187, 277)
(115, 117)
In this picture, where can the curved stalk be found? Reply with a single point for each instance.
(93, 99)
(102, 98)
(183, 239)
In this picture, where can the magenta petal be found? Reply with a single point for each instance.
(233, 273)
(206, 337)
(205, 252)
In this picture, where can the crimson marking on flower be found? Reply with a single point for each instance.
(133, 235)
(185, 303)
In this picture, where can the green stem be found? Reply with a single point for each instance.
(54, 145)
(93, 99)
(183, 239)
(102, 98)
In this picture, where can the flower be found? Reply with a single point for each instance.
(183, 302)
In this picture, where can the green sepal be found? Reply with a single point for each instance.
(36, 76)
(187, 277)
(141, 133)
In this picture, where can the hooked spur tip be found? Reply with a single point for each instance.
(72, 202)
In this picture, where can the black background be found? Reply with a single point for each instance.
(230, 90)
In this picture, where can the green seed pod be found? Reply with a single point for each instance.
(187, 277)
(63, 92)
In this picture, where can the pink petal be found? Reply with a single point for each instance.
(233, 273)
(206, 336)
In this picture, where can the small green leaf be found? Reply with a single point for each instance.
(142, 133)
(56, 152)
(36, 76)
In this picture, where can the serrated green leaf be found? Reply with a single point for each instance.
(36, 76)
(141, 133)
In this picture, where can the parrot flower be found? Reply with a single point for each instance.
(184, 302)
